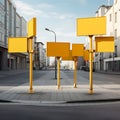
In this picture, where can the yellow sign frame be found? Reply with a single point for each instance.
(17, 45)
(86, 55)
(77, 50)
(91, 26)
(58, 49)
(32, 28)
(69, 57)
(104, 44)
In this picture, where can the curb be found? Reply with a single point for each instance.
(5, 101)
(96, 101)
(62, 102)
(112, 73)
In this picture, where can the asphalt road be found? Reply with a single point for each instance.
(10, 81)
(21, 78)
(109, 111)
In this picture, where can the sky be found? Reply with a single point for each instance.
(59, 16)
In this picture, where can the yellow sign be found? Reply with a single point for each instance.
(104, 44)
(16, 45)
(69, 57)
(58, 49)
(32, 28)
(91, 26)
(77, 50)
(86, 55)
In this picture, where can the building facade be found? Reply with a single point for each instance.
(11, 25)
(80, 62)
(40, 59)
(110, 61)
(3, 40)
(46, 59)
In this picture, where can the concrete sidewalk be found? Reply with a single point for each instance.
(45, 91)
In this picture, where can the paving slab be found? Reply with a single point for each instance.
(45, 91)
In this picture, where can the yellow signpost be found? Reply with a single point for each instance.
(90, 27)
(104, 44)
(31, 35)
(77, 50)
(91, 66)
(31, 65)
(75, 70)
(58, 49)
(17, 45)
(72, 58)
(58, 72)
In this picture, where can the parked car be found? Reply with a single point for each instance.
(66, 69)
(85, 68)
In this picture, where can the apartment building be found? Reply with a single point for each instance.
(18, 61)
(11, 25)
(3, 42)
(46, 59)
(40, 59)
(110, 61)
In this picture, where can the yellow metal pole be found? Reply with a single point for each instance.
(75, 61)
(58, 72)
(91, 66)
(31, 65)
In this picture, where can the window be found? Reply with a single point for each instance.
(115, 17)
(110, 17)
(115, 1)
(115, 33)
(0, 36)
(115, 54)
(2, 2)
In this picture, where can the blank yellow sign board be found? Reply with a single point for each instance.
(77, 50)
(32, 28)
(58, 49)
(104, 44)
(17, 45)
(91, 26)
(69, 57)
(86, 55)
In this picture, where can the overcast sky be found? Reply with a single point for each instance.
(59, 16)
